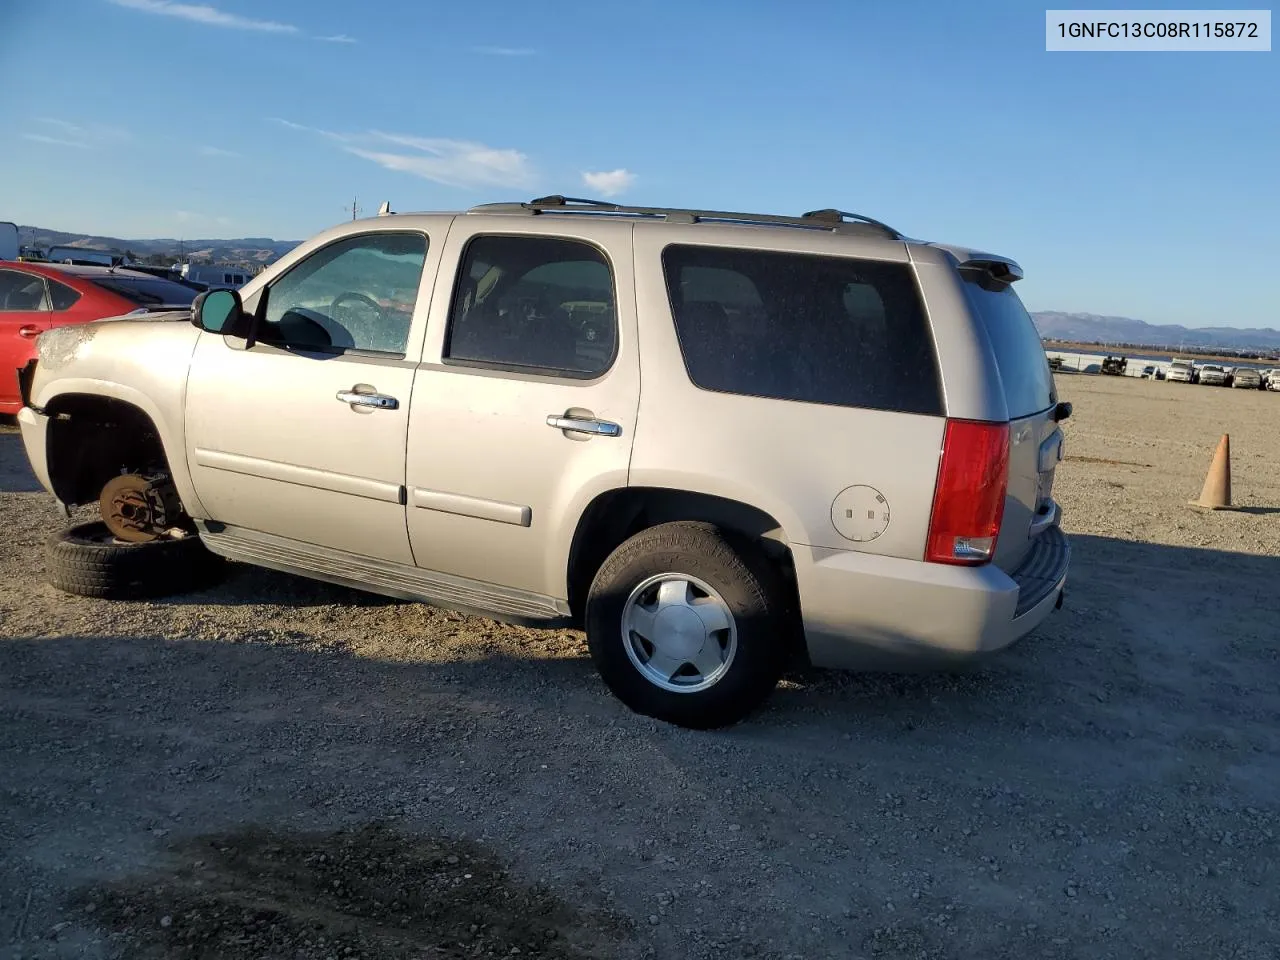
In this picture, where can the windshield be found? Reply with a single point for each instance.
(148, 291)
(1024, 368)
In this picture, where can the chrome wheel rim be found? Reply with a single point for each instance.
(679, 633)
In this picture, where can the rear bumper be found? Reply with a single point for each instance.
(35, 431)
(865, 612)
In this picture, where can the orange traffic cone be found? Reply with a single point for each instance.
(1216, 494)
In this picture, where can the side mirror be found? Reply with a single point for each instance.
(218, 311)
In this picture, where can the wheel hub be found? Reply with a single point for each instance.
(679, 633)
(138, 508)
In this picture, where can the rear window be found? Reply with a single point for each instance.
(813, 329)
(1024, 368)
(148, 291)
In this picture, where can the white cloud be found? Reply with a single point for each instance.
(94, 131)
(505, 51)
(56, 141)
(217, 152)
(454, 163)
(609, 183)
(75, 135)
(207, 15)
(337, 38)
(303, 128)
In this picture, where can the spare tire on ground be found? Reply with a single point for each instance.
(88, 561)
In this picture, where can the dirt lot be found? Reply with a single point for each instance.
(277, 768)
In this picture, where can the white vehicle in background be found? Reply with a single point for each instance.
(8, 240)
(1184, 371)
(1273, 380)
(216, 276)
(1213, 375)
(85, 256)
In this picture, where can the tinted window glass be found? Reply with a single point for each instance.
(63, 296)
(801, 327)
(1024, 368)
(147, 291)
(22, 291)
(356, 294)
(534, 303)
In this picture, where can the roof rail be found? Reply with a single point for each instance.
(833, 220)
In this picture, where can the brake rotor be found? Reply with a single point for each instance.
(139, 508)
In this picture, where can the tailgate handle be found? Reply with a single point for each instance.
(1043, 521)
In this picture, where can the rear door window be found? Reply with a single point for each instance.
(22, 292)
(1024, 367)
(813, 329)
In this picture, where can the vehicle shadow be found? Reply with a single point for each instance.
(1158, 683)
(1134, 613)
(15, 472)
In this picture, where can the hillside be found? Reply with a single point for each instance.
(248, 250)
(1091, 328)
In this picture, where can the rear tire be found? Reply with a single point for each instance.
(87, 561)
(724, 648)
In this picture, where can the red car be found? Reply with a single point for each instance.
(37, 296)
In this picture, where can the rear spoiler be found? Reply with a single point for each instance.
(998, 268)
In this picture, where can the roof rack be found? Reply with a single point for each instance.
(829, 219)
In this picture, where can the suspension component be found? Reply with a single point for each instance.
(140, 507)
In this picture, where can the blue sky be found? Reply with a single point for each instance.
(1138, 184)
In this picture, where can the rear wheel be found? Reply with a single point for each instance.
(88, 560)
(688, 624)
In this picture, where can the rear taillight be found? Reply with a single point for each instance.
(968, 502)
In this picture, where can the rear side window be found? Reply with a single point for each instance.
(147, 291)
(813, 329)
(534, 304)
(1024, 368)
(64, 297)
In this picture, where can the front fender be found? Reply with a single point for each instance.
(142, 363)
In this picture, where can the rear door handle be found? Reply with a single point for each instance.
(29, 331)
(597, 428)
(375, 401)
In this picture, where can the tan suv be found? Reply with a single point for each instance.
(714, 440)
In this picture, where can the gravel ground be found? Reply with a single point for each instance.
(278, 768)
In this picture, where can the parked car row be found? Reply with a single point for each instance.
(1217, 375)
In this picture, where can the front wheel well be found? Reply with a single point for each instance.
(617, 515)
(92, 439)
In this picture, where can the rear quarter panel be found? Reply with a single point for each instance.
(787, 458)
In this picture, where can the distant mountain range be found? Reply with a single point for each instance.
(244, 250)
(1091, 328)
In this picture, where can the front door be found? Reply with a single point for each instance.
(302, 435)
(25, 313)
(525, 404)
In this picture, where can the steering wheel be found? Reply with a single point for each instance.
(351, 295)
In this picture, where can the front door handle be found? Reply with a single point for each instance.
(29, 331)
(597, 428)
(375, 401)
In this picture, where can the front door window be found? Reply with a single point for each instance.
(354, 295)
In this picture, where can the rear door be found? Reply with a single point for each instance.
(524, 407)
(24, 314)
(1035, 439)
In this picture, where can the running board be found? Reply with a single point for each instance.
(383, 576)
